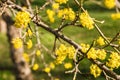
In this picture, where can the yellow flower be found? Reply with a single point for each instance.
(62, 50)
(61, 1)
(115, 16)
(67, 13)
(92, 54)
(101, 54)
(17, 43)
(86, 20)
(38, 53)
(71, 52)
(114, 61)
(68, 65)
(22, 19)
(47, 70)
(51, 14)
(61, 54)
(100, 41)
(55, 6)
(52, 65)
(95, 70)
(60, 59)
(85, 47)
(26, 57)
(29, 32)
(109, 3)
(29, 44)
(35, 67)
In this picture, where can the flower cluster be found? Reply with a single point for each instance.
(51, 14)
(38, 53)
(29, 44)
(95, 70)
(96, 54)
(68, 65)
(35, 67)
(29, 33)
(85, 47)
(114, 61)
(109, 3)
(22, 19)
(67, 13)
(55, 6)
(49, 67)
(115, 16)
(61, 1)
(17, 43)
(63, 52)
(100, 41)
(86, 20)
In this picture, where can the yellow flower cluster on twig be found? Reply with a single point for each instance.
(35, 67)
(68, 65)
(17, 43)
(100, 41)
(96, 54)
(115, 16)
(22, 19)
(109, 3)
(63, 51)
(95, 70)
(114, 61)
(86, 20)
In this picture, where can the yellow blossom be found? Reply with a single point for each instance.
(38, 53)
(22, 19)
(100, 41)
(61, 54)
(85, 47)
(115, 16)
(35, 67)
(92, 54)
(52, 65)
(47, 70)
(26, 57)
(101, 54)
(71, 52)
(55, 6)
(114, 61)
(109, 3)
(61, 1)
(29, 44)
(62, 50)
(68, 65)
(51, 14)
(29, 32)
(60, 59)
(17, 43)
(67, 13)
(86, 20)
(95, 70)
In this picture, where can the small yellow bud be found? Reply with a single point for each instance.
(35, 67)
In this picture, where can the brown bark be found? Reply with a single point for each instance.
(22, 70)
(2, 26)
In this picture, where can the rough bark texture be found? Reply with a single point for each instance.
(22, 70)
(2, 26)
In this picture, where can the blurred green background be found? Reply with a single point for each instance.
(79, 35)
